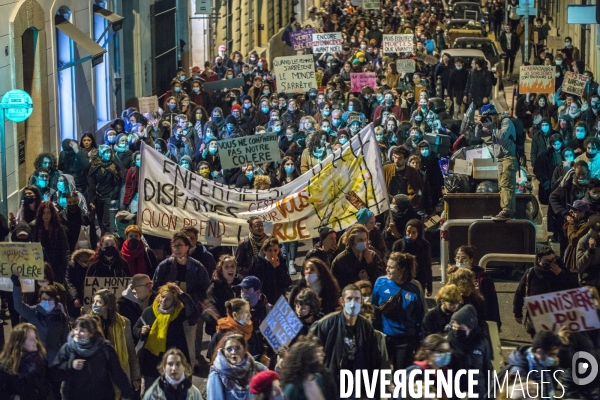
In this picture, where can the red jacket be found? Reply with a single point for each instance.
(131, 185)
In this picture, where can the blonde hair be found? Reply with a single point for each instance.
(165, 290)
(187, 368)
(353, 233)
(261, 181)
(464, 279)
(449, 292)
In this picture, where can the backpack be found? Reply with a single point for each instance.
(519, 136)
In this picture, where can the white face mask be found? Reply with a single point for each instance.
(352, 308)
(360, 246)
(462, 264)
(311, 278)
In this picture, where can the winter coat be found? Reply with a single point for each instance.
(131, 308)
(479, 85)
(72, 225)
(75, 164)
(421, 249)
(56, 248)
(588, 263)
(346, 267)
(575, 231)
(102, 268)
(104, 179)
(196, 277)
(457, 82)
(30, 382)
(275, 280)
(543, 168)
(566, 193)
(156, 391)
(95, 380)
(131, 185)
(217, 294)
(53, 327)
(476, 356)
(435, 321)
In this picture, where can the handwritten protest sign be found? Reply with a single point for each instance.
(360, 80)
(572, 308)
(302, 39)
(404, 65)
(327, 42)
(95, 283)
(426, 58)
(371, 4)
(281, 325)
(27, 285)
(172, 197)
(295, 73)
(555, 42)
(536, 79)
(23, 259)
(256, 149)
(398, 43)
(574, 83)
(148, 104)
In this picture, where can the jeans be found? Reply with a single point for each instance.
(288, 250)
(401, 350)
(510, 58)
(507, 180)
(103, 214)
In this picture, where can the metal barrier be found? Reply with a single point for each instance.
(528, 258)
(444, 245)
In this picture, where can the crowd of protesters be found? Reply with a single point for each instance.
(361, 293)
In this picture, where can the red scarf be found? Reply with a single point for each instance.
(135, 258)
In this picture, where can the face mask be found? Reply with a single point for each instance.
(459, 335)
(172, 381)
(458, 68)
(425, 153)
(548, 362)
(350, 108)
(177, 89)
(352, 308)
(343, 141)
(252, 59)
(594, 195)
(171, 107)
(545, 128)
(182, 78)
(110, 251)
(247, 106)
(277, 129)
(318, 152)
(423, 104)
(360, 246)
(418, 119)
(48, 305)
(241, 322)
(441, 360)
(133, 243)
(196, 90)
(558, 62)
(289, 169)
(354, 129)
(250, 175)
(557, 148)
(362, 46)
(379, 138)
(265, 110)
(61, 186)
(259, 65)
(592, 154)
(73, 208)
(462, 264)
(42, 183)
(29, 200)
(81, 341)
(582, 181)
(567, 44)
(123, 145)
(311, 278)
(97, 309)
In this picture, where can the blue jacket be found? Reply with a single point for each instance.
(407, 321)
(53, 327)
(216, 391)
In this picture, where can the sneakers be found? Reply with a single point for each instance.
(292, 268)
(504, 214)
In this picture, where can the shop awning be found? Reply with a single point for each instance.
(114, 19)
(94, 50)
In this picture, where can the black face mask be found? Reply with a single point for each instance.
(458, 335)
(73, 208)
(134, 244)
(29, 200)
(110, 251)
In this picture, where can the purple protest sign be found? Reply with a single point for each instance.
(302, 39)
(362, 79)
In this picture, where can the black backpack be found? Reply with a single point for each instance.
(520, 136)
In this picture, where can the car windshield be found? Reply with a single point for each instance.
(467, 11)
(457, 24)
(487, 48)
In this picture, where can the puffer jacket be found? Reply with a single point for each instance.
(479, 85)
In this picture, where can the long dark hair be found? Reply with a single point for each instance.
(331, 289)
(282, 174)
(54, 217)
(301, 360)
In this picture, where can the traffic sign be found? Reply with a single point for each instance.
(17, 105)
(527, 11)
(531, 3)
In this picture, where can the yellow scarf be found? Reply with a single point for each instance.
(116, 336)
(157, 338)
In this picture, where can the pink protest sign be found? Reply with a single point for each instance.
(362, 79)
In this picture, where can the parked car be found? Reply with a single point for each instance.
(471, 11)
(456, 28)
(486, 45)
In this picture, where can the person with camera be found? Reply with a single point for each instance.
(546, 276)
(500, 131)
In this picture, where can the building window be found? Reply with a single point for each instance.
(65, 81)
(102, 80)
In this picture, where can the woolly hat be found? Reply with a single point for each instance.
(467, 315)
(324, 232)
(222, 47)
(261, 381)
(364, 215)
(236, 107)
(488, 109)
(342, 132)
(231, 120)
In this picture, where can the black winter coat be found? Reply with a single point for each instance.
(274, 281)
(479, 85)
(457, 82)
(95, 380)
(104, 180)
(435, 321)
(346, 267)
(29, 383)
(217, 294)
(475, 354)
(56, 248)
(75, 164)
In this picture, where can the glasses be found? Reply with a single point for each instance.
(232, 349)
(461, 258)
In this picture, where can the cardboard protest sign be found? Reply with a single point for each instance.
(426, 58)
(327, 42)
(256, 149)
(405, 65)
(573, 308)
(23, 259)
(536, 79)
(319, 78)
(295, 73)
(94, 283)
(555, 42)
(148, 104)
(224, 84)
(371, 4)
(27, 285)
(362, 79)
(281, 325)
(172, 197)
(574, 83)
(302, 39)
(398, 43)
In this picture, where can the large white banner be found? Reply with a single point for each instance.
(328, 195)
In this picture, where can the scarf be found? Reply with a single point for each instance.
(229, 324)
(116, 336)
(135, 258)
(85, 350)
(30, 363)
(179, 393)
(157, 338)
(257, 241)
(235, 378)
